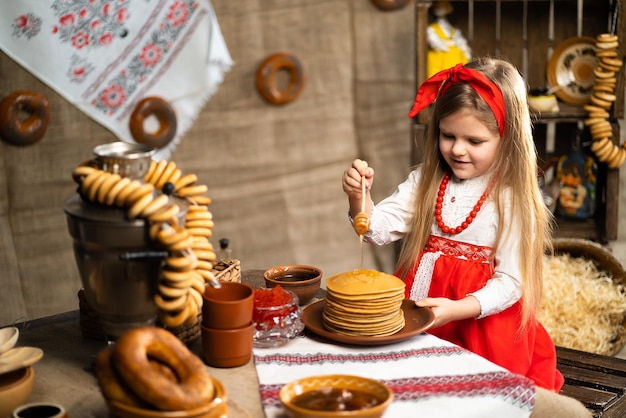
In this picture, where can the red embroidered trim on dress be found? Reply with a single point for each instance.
(458, 249)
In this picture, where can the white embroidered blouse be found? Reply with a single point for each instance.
(390, 221)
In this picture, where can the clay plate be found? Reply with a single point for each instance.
(571, 68)
(417, 320)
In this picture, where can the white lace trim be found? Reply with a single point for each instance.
(423, 276)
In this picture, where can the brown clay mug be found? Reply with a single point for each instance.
(227, 347)
(227, 307)
(40, 410)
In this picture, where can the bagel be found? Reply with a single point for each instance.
(81, 172)
(171, 236)
(608, 67)
(111, 385)
(170, 292)
(155, 205)
(165, 214)
(607, 37)
(200, 223)
(192, 190)
(266, 78)
(171, 304)
(196, 215)
(117, 188)
(156, 172)
(164, 113)
(132, 354)
(611, 53)
(106, 187)
(122, 197)
(619, 159)
(601, 103)
(17, 130)
(92, 189)
(601, 73)
(140, 192)
(140, 205)
(174, 319)
(605, 96)
(612, 61)
(200, 200)
(165, 175)
(183, 262)
(185, 181)
(388, 5)
(607, 45)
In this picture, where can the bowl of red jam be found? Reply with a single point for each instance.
(276, 315)
(335, 395)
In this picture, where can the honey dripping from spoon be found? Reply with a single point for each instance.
(362, 219)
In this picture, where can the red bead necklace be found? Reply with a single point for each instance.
(439, 205)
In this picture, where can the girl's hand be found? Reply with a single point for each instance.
(351, 180)
(448, 310)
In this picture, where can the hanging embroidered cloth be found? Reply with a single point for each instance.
(104, 56)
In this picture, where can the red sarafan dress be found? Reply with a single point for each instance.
(454, 266)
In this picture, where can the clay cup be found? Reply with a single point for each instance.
(228, 307)
(227, 347)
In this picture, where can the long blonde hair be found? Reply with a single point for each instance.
(515, 163)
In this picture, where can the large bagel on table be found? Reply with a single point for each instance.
(150, 366)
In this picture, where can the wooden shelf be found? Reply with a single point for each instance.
(529, 50)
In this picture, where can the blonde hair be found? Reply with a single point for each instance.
(516, 168)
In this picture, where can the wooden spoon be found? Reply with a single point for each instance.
(362, 219)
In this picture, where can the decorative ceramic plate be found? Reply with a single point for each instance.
(571, 68)
(417, 320)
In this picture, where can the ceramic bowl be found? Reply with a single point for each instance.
(370, 387)
(301, 279)
(40, 409)
(8, 338)
(216, 409)
(15, 388)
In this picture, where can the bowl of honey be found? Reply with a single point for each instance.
(303, 280)
(335, 395)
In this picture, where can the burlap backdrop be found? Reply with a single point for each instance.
(273, 172)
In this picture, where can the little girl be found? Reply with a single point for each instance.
(472, 219)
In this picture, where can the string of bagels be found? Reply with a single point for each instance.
(603, 97)
(191, 257)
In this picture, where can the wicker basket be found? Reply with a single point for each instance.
(603, 260)
(228, 270)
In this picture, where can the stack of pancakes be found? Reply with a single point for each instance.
(363, 303)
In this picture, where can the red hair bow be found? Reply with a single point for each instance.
(489, 91)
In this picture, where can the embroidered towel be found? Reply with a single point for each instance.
(430, 377)
(104, 56)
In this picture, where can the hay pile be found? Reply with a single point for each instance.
(583, 308)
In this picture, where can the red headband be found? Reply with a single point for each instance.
(490, 93)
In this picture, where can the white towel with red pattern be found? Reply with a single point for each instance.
(428, 376)
(104, 56)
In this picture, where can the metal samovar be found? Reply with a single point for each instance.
(119, 264)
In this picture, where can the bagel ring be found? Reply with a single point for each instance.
(132, 355)
(388, 5)
(266, 78)
(164, 113)
(17, 130)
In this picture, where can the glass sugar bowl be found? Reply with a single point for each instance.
(277, 317)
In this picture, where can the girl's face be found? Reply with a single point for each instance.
(466, 144)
